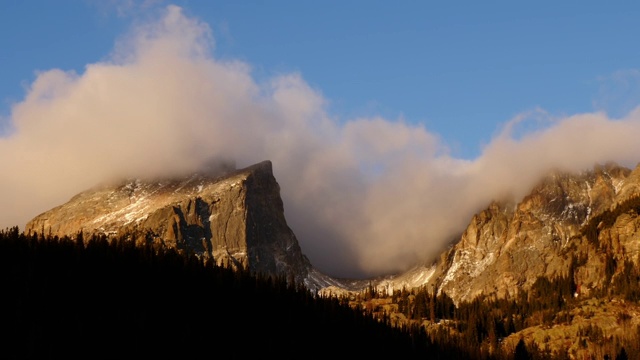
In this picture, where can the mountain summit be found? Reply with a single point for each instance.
(235, 216)
(562, 262)
(569, 224)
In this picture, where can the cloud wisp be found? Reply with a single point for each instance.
(365, 197)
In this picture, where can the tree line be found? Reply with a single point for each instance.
(95, 297)
(478, 327)
(104, 298)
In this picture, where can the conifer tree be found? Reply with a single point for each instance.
(521, 352)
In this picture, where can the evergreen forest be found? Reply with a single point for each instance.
(105, 298)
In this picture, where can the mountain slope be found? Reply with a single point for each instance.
(561, 264)
(507, 246)
(237, 218)
(234, 216)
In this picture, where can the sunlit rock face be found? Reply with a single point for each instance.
(234, 216)
(237, 218)
(507, 246)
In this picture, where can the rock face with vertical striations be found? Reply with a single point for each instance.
(237, 218)
(506, 247)
(234, 216)
(592, 216)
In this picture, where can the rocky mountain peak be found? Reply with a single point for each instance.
(234, 216)
(508, 245)
(505, 249)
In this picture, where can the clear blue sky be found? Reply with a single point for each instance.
(459, 68)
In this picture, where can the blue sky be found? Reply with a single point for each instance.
(389, 124)
(460, 68)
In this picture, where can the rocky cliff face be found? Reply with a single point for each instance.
(236, 217)
(507, 246)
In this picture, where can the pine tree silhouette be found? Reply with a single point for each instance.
(521, 352)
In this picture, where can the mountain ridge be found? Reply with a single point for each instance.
(505, 246)
(508, 245)
(560, 264)
(234, 216)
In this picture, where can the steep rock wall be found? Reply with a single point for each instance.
(506, 247)
(236, 218)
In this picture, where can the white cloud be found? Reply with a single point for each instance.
(366, 196)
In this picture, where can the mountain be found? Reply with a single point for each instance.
(235, 216)
(558, 269)
(508, 245)
(557, 272)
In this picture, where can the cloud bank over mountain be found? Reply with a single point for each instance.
(364, 196)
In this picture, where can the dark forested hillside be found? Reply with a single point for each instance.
(549, 321)
(99, 298)
(92, 298)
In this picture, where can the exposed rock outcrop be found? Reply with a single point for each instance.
(236, 217)
(507, 247)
